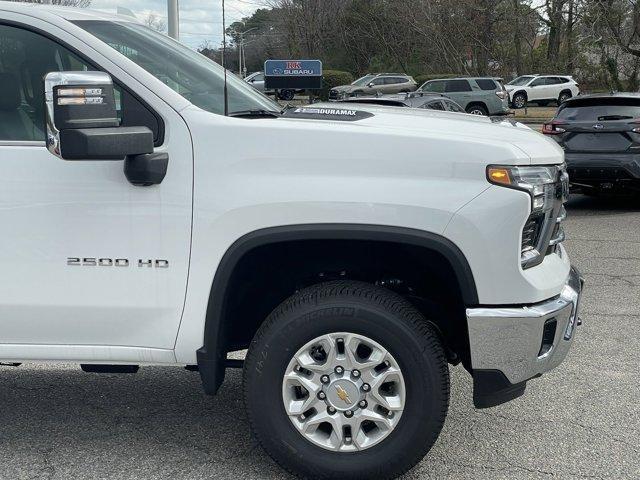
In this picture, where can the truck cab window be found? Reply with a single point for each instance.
(25, 58)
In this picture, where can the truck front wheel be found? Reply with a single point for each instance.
(346, 380)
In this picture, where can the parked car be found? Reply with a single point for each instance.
(478, 96)
(256, 80)
(600, 135)
(354, 254)
(541, 89)
(431, 101)
(375, 83)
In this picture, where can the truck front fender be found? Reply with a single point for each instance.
(212, 356)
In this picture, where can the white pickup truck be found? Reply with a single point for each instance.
(356, 252)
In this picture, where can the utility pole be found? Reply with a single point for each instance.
(241, 55)
(240, 58)
(173, 16)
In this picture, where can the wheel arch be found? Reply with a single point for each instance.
(565, 90)
(477, 103)
(212, 356)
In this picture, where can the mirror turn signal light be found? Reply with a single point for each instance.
(79, 92)
(80, 101)
(79, 96)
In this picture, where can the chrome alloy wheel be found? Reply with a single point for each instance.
(343, 392)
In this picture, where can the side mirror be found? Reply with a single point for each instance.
(81, 119)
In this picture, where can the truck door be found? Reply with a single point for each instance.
(87, 258)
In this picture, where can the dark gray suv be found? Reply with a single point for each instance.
(477, 95)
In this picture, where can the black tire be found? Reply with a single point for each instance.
(564, 96)
(519, 100)
(286, 95)
(380, 315)
(477, 109)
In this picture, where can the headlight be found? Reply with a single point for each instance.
(538, 182)
(548, 187)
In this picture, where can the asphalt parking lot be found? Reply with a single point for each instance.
(580, 421)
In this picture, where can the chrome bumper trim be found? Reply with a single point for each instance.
(509, 339)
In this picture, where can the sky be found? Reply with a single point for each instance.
(200, 20)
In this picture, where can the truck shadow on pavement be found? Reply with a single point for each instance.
(59, 422)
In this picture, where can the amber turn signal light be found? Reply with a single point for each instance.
(499, 175)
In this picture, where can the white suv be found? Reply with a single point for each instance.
(541, 89)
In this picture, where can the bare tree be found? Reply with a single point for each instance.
(469, 37)
(622, 21)
(155, 22)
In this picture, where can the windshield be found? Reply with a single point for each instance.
(192, 75)
(363, 80)
(520, 81)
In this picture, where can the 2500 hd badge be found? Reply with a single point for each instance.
(115, 262)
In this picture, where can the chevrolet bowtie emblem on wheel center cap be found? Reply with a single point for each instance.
(343, 395)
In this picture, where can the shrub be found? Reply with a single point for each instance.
(334, 78)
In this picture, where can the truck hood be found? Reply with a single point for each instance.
(529, 146)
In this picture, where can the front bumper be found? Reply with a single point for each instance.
(510, 345)
(501, 108)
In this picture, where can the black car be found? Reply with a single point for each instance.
(432, 101)
(600, 135)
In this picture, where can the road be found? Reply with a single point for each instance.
(580, 421)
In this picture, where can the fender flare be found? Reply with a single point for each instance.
(212, 357)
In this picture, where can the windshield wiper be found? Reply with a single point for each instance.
(255, 113)
(614, 117)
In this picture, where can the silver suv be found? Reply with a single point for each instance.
(371, 84)
(479, 96)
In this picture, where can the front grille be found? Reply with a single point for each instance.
(542, 233)
(333, 95)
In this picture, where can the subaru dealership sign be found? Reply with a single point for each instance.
(293, 74)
